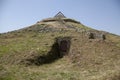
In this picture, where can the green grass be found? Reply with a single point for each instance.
(78, 26)
(87, 60)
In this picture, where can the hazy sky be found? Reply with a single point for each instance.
(99, 14)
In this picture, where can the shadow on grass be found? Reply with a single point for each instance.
(50, 57)
(58, 50)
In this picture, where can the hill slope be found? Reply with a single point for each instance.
(31, 53)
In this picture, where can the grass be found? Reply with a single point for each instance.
(61, 69)
(87, 60)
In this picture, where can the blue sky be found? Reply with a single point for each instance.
(98, 14)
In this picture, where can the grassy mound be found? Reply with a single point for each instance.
(88, 59)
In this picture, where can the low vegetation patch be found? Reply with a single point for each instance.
(34, 53)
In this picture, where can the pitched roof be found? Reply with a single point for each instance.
(59, 15)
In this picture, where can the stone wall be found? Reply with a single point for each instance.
(96, 35)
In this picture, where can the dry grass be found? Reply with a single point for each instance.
(87, 60)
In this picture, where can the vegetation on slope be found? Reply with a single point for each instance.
(88, 59)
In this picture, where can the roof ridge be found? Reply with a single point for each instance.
(59, 15)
